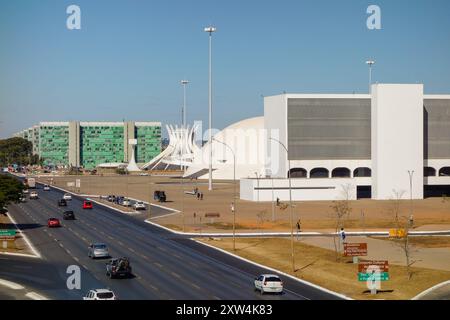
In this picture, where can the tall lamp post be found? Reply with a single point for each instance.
(290, 203)
(258, 176)
(411, 174)
(370, 63)
(184, 116)
(234, 192)
(210, 30)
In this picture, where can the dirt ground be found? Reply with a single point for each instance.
(319, 266)
(250, 216)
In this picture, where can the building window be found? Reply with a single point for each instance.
(319, 173)
(298, 173)
(341, 173)
(444, 172)
(362, 173)
(429, 172)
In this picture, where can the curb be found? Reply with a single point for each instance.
(339, 295)
(424, 293)
(35, 254)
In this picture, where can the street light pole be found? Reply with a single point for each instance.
(184, 83)
(210, 30)
(290, 204)
(370, 63)
(234, 192)
(257, 183)
(411, 174)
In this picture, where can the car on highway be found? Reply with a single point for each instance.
(87, 204)
(46, 187)
(139, 206)
(67, 196)
(118, 267)
(62, 203)
(269, 283)
(100, 294)
(34, 195)
(98, 250)
(53, 223)
(126, 202)
(68, 215)
(160, 196)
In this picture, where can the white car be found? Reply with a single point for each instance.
(143, 174)
(25, 191)
(46, 187)
(100, 294)
(269, 283)
(139, 206)
(34, 195)
(98, 250)
(67, 196)
(126, 203)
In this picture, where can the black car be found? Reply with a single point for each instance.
(68, 215)
(118, 268)
(62, 203)
(159, 196)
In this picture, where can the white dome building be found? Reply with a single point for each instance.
(247, 139)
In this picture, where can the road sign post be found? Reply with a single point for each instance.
(355, 250)
(212, 215)
(373, 273)
(7, 235)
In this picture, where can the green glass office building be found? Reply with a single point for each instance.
(88, 144)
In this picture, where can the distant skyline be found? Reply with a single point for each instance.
(129, 57)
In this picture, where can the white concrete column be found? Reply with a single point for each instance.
(397, 140)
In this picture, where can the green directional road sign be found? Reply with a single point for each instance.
(382, 276)
(7, 233)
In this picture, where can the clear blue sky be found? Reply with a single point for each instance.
(130, 55)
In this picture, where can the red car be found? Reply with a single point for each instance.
(53, 223)
(87, 205)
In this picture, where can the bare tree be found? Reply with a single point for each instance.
(395, 206)
(341, 210)
(402, 223)
(262, 216)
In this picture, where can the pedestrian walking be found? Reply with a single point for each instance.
(411, 221)
(341, 238)
(278, 202)
(201, 196)
(298, 227)
(198, 195)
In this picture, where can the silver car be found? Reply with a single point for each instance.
(98, 250)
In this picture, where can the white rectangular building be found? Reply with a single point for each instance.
(368, 145)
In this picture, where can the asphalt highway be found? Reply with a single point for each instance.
(165, 266)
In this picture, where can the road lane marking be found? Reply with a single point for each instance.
(196, 286)
(11, 285)
(35, 296)
(176, 275)
(158, 264)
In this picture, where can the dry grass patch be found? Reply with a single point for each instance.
(319, 266)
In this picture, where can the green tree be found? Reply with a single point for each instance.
(17, 151)
(10, 190)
